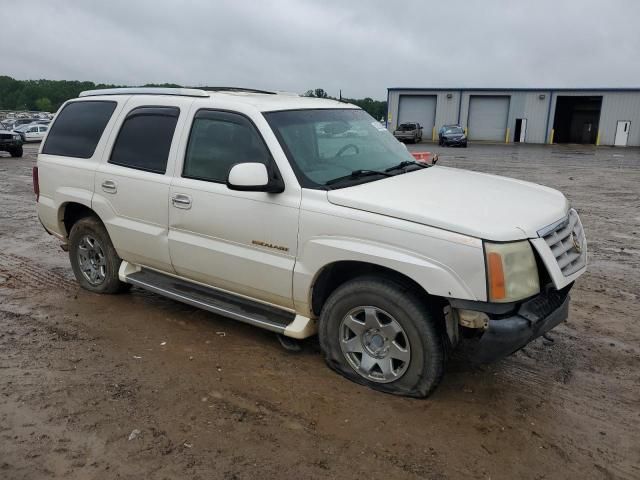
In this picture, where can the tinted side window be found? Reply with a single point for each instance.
(219, 140)
(78, 128)
(145, 139)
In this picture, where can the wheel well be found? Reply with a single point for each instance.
(335, 274)
(72, 212)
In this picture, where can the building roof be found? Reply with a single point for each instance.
(520, 89)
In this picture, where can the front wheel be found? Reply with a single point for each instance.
(16, 152)
(93, 258)
(380, 334)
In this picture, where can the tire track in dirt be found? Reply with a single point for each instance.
(17, 272)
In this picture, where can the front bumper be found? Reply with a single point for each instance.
(505, 335)
(454, 141)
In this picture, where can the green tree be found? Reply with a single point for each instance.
(44, 104)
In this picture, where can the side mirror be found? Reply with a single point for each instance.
(252, 177)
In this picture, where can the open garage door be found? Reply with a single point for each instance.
(577, 119)
(488, 117)
(418, 108)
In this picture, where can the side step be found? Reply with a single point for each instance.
(219, 302)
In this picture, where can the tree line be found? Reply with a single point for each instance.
(376, 108)
(48, 95)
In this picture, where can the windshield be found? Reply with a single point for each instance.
(324, 145)
(454, 130)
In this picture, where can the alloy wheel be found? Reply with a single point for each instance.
(91, 259)
(375, 344)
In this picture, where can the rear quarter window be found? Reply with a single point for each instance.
(78, 128)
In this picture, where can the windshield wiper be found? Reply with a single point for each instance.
(405, 164)
(358, 174)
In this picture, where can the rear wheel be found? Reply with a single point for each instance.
(93, 258)
(380, 334)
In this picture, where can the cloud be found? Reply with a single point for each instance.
(361, 47)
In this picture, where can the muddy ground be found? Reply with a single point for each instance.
(210, 398)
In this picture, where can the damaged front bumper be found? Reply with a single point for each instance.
(506, 332)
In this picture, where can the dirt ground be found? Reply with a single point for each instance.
(137, 386)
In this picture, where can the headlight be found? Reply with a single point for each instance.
(16, 137)
(512, 273)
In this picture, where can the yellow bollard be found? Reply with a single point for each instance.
(598, 139)
(506, 138)
(433, 134)
(551, 137)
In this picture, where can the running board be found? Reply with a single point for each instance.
(219, 302)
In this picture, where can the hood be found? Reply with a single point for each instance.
(476, 204)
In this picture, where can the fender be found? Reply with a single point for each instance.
(319, 252)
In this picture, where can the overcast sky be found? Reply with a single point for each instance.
(362, 47)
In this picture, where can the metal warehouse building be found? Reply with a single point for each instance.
(591, 116)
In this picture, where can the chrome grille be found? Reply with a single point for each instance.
(567, 242)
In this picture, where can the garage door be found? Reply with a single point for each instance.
(488, 117)
(418, 108)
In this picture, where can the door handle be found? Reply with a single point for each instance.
(180, 200)
(109, 186)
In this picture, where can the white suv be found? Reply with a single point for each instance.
(304, 216)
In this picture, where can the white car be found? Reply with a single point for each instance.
(256, 206)
(33, 132)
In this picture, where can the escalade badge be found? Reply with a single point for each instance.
(270, 245)
(576, 242)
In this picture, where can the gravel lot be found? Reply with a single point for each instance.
(137, 386)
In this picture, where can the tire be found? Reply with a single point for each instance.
(16, 152)
(421, 336)
(89, 240)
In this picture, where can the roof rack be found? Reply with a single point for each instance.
(183, 92)
(238, 89)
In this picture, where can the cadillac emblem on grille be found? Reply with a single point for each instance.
(576, 242)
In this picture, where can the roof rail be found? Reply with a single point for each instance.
(238, 89)
(184, 92)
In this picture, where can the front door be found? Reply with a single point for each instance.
(242, 242)
(622, 133)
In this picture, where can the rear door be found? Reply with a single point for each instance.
(42, 131)
(132, 181)
(243, 242)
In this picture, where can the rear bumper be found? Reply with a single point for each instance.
(505, 335)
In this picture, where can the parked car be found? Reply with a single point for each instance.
(255, 206)
(10, 142)
(16, 122)
(33, 132)
(410, 131)
(452, 136)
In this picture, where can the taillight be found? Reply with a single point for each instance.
(36, 183)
